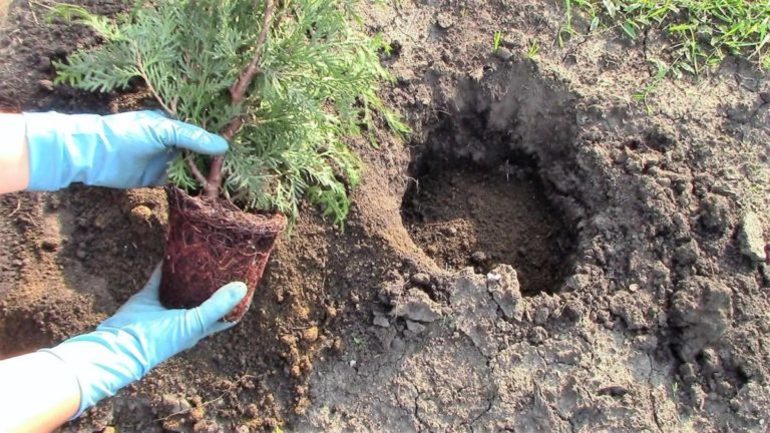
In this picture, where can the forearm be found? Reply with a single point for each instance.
(38, 393)
(14, 153)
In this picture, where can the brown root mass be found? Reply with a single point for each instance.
(210, 244)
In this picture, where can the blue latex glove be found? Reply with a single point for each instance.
(125, 150)
(139, 336)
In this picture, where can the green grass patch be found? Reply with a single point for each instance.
(497, 41)
(702, 32)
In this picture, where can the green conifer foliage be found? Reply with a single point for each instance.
(318, 79)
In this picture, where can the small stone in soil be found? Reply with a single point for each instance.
(503, 285)
(81, 254)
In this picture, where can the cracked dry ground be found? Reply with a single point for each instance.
(544, 255)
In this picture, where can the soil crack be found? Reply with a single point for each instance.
(653, 399)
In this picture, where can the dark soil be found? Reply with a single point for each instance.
(651, 318)
(478, 217)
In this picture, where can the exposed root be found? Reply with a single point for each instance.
(210, 244)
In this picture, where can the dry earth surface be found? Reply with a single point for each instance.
(545, 254)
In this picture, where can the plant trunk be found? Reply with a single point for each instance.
(211, 243)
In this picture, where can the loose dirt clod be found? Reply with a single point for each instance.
(702, 309)
(503, 285)
(141, 214)
(750, 238)
(211, 244)
(417, 306)
(310, 334)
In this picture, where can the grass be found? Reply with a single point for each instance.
(534, 49)
(702, 33)
(497, 42)
(662, 71)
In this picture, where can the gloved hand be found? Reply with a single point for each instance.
(139, 336)
(125, 150)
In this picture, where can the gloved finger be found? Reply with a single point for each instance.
(152, 288)
(221, 303)
(186, 136)
(219, 327)
(156, 171)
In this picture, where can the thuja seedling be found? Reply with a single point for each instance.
(286, 83)
(313, 83)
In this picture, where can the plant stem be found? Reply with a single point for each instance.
(170, 109)
(237, 94)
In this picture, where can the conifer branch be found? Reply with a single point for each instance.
(205, 58)
(143, 73)
(237, 94)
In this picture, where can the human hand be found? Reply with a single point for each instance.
(126, 150)
(139, 336)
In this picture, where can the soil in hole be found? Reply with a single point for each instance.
(473, 216)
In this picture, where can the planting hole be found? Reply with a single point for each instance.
(470, 216)
(477, 197)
